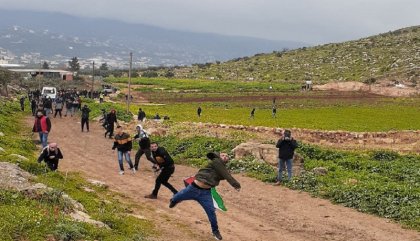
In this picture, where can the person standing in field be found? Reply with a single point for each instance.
(252, 114)
(199, 110)
(141, 115)
(144, 146)
(287, 146)
(111, 118)
(123, 144)
(200, 189)
(69, 108)
(274, 112)
(85, 117)
(51, 154)
(42, 125)
(166, 167)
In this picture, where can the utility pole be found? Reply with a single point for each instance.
(93, 79)
(129, 83)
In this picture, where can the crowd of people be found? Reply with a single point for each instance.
(198, 188)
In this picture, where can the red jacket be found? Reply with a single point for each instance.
(42, 122)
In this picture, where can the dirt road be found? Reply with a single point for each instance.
(259, 212)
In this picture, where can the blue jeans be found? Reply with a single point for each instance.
(127, 159)
(282, 163)
(43, 137)
(203, 197)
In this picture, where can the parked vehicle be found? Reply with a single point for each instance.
(49, 92)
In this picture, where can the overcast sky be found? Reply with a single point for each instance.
(310, 21)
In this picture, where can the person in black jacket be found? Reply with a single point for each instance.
(167, 168)
(287, 146)
(141, 115)
(85, 117)
(50, 155)
(199, 110)
(111, 118)
(34, 106)
(123, 143)
(144, 146)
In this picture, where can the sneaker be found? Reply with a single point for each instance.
(121, 172)
(151, 196)
(133, 170)
(217, 235)
(277, 184)
(172, 204)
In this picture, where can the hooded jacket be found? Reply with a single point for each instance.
(215, 171)
(144, 141)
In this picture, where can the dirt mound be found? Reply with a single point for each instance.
(378, 89)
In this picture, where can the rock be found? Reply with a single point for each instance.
(84, 217)
(320, 171)
(13, 177)
(1, 134)
(19, 157)
(156, 131)
(86, 189)
(98, 183)
(2, 149)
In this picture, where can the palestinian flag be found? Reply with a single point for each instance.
(217, 199)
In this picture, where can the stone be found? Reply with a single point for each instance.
(19, 157)
(1, 134)
(156, 131)
(84, 217)
(322, 171)
(2, 149)
(98, 183)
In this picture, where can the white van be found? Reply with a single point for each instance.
(49, 92)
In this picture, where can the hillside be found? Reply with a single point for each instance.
(394, 54)
(29, 37)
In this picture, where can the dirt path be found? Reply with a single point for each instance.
(259, 212)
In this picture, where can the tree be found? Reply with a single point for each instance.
(104, 66)
(74, 64)
(6, 76)
(169, 74)
(45, 65)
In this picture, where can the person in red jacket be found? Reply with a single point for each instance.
(42, 125)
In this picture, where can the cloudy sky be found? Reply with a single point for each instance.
(310, 21)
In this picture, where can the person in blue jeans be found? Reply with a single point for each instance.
(200, 189)
(123, 143)
(287, 146)
(42, 125)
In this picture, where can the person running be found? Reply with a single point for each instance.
(199, 110)
(252, 114)
(123, 143)
(33, 106)
(42, 125)
(144, 146)
(51, 155)
(22, 103)
(85, 117)
(58, 107)
(287, 146)
(167, 168)
(200, 188)
(104, 119)
(111, 118)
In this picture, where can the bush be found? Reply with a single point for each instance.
(69, 231)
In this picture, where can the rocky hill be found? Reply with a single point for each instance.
(392, 55)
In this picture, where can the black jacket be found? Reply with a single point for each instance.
(85, 112)
(46, 154)
(215, 171)
(286, 148)
(161, 152)
(122, 142)
(111, 118)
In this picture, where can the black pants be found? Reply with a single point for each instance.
(22, 107)
(163, 178)
(85, 121)
(52, 164)
(57, 111)
(110, 130)
(33, 110)
(140, 153)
